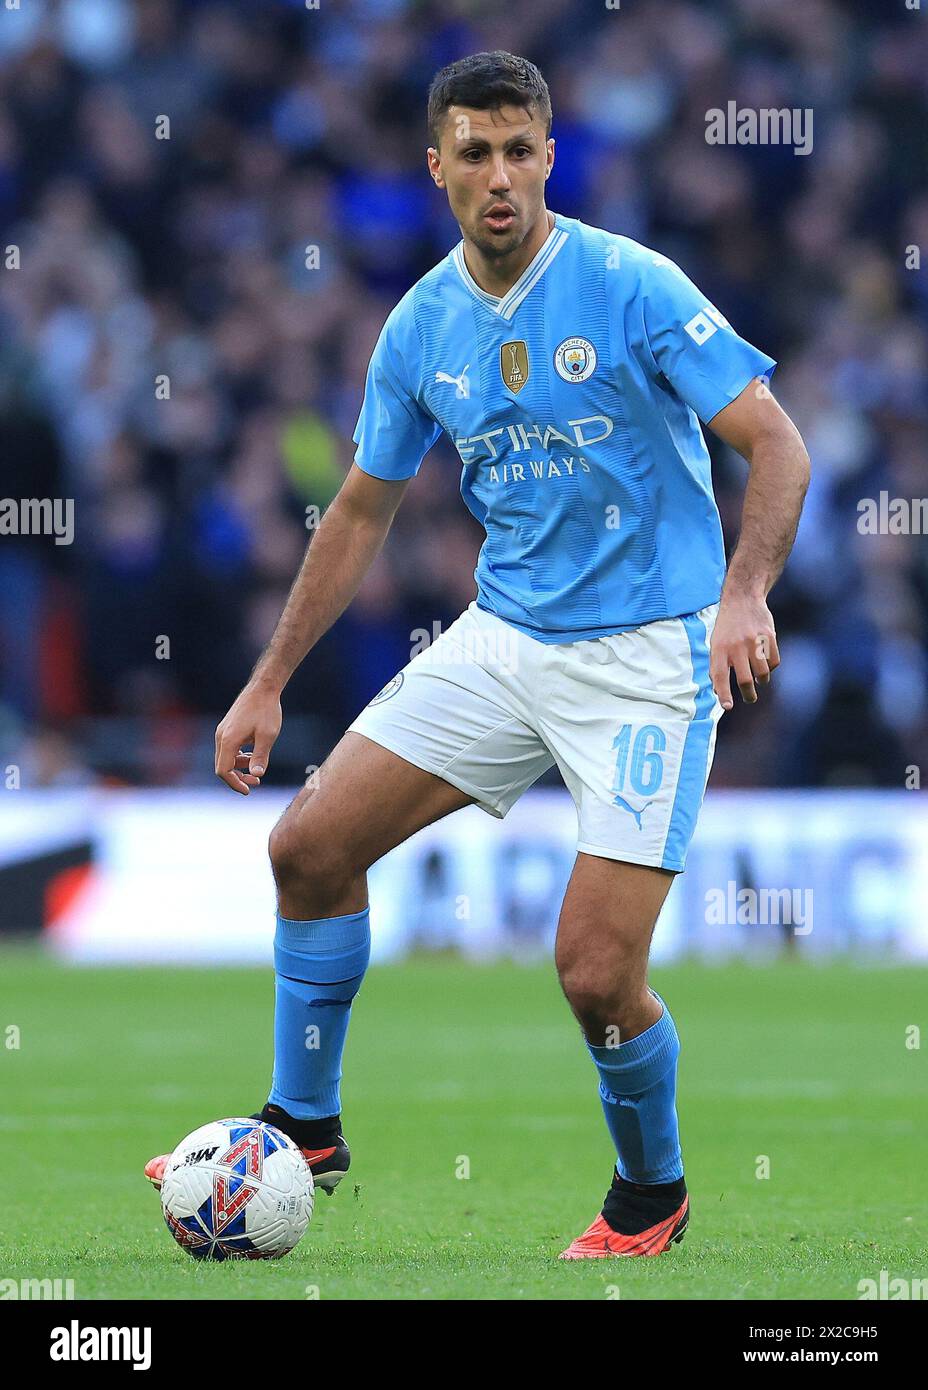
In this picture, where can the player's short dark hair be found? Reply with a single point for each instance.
(487, 81)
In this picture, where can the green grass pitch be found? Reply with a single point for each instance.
(448, 1063)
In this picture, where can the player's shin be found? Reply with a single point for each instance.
(638, 1093)
(319, 967)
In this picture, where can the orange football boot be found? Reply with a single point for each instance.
(636, 1219)
(154, 1170)
(600, 1240)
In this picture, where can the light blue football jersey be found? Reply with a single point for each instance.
(574, 404)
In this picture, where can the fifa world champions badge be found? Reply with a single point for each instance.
(514, 364)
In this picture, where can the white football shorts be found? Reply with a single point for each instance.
(630, 720)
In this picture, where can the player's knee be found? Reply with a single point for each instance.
(309, 870)
(599, 1001)
(594, 1004)
(283, 854)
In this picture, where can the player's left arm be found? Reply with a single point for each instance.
(744, 638)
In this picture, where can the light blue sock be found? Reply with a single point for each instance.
(638, 1086)
(319, 967)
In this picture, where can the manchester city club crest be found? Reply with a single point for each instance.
(513, 364)
(575, 359)
(389, 689)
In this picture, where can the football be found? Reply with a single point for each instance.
(237, 1189)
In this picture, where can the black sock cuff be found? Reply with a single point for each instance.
(309, 1134)
(677, 1188)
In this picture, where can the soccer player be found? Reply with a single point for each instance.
(571, 369)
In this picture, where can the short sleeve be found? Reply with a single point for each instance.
(393, 432)
(694, 345)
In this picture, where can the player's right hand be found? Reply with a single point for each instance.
(255, 718)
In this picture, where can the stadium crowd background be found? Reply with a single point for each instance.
(292, 128)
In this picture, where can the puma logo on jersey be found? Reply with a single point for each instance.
(461, 382)
(620, 801)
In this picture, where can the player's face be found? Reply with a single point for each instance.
(493, 165)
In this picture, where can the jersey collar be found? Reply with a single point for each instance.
(510, 301)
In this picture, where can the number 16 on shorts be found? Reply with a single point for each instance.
(639, 768)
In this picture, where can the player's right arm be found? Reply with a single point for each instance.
(393, 436)
(347, 541)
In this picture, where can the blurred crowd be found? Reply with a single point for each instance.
(230, 197)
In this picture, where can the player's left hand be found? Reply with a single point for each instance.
(744, 640)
